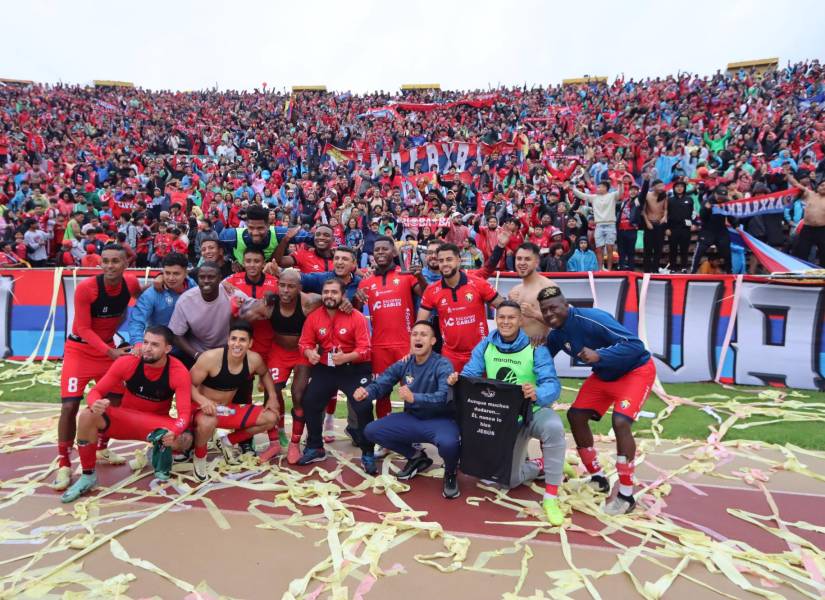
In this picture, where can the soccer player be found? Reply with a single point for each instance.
(287, 312)
(257, 234)
(461, 302)
(99, 308)
(389, 297)
(307, 260)
(428, 415)
(623, 374)
(526, 293)
(337, 345)
(255, 284)
(507, 355)
(147, 384)
(217, 377)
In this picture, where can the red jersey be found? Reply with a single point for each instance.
(90, 260)
(99, 310)
(148, 388)
(341, 332)
(308, 261)
(391, 306)
(262, 329)
(163, 244)
(461, 311)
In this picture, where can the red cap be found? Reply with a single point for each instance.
(89, 187)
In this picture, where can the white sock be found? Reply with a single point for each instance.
(329, 421)
(625, 490)
(548, 495)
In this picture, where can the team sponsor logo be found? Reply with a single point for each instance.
(449, 322)
(506, 375)
(363, 380)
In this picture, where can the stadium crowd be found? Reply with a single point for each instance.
(578, 170)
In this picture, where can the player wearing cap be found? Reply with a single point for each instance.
(623, 374)
(100, 305)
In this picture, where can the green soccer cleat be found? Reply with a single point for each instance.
(552, 511)
(79, 487)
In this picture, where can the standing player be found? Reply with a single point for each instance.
(623, 374)
(307, 260)
(257, 234)
(99, 308)
(527, 292)
(461, 302)
(388, 294)
(147, 383)
(337, 345)
(286, 313)
(216, 378)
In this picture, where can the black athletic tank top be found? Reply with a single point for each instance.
(106, 306)
(146, 389)
(291, 325)
(225, 381)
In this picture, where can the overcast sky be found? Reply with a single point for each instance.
(363, 45)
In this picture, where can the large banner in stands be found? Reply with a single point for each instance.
(778, 337)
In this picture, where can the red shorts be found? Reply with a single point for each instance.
(79, 367)
(626, 394)
(384, 356)
(458, 360)
(246, 415)
(129, 424)
(282, 361)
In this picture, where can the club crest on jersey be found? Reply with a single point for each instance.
(396, 281)
(568, 347)
(322, 331)
(409, 379)
(469, 296)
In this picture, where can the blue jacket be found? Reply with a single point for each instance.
(583, 261)
(548, 386)
(428, 383)
(313, 283)
(153, 308)
(619, 350)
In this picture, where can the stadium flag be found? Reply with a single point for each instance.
(439, 157)
(770, 258)
(766, 204)
(288, 109)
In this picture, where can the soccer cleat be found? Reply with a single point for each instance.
(293, 453)
(107, 455)
(450, 490)
(200, 468)
(620, 505)
(271, 452)
(79, 487)
(247, 447)
(414, 466)
(63, 479)
(230, 455)
(368, 464)
(600, 484)
(552, 511)
(312, 455)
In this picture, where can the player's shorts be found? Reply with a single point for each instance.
(79, 367)
(263, 349)
(246, 415)
(282, 362)
(129, 424)
(458, 360)
(626, 394)
(385, 356)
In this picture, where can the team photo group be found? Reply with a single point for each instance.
(269, 310)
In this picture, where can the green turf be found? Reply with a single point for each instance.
(685, 422)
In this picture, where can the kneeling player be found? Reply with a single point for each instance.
(216, 378)
(623, 374)
(150, 382)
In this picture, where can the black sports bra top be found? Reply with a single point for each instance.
(225, 381)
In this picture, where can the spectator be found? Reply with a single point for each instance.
(583, 258)
(554, 262)
(36, 241)
(92, 258)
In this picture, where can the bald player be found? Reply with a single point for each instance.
(286, 312)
